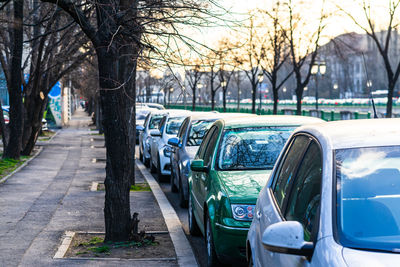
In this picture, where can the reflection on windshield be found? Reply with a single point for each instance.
(155, 122)
(197, 132)
(368, 197)
(173, 125)
(252, 148)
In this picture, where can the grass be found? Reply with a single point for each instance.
(97, 245)
(46, 135)
(140, 187)
(8, 165)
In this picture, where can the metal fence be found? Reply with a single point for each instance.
(325, 115)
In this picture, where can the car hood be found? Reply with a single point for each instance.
(243, 186)
(356, 257)
(191, 151)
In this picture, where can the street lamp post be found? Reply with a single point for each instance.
(319, 68)
(260, 80)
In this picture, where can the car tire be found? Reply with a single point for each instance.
(153, 168)
(160, 176)
(193, 227)
(212, 259)
(250, 258)
(174, 189)
(146, 162)
(182, 201)
(141, 157)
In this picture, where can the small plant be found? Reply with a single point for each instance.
(102, 249)
(95, 240)
(140, 187)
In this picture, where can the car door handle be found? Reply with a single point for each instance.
(258, 214)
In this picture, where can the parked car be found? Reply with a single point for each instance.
(332, 199)
(229, 170)
(185, 146)
(141, 114)
(160, 151)
(151, 122)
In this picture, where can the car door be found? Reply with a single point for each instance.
(197, 177)
(155, 140)
(270, 207)
(303, 201)
(180, 152)
(208, 156)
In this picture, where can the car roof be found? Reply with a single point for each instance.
(269, 120)
(198, 115)
(356, 133)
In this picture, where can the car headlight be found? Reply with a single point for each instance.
(243, 212)
(167, 151)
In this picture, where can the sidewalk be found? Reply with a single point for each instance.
(52, 195)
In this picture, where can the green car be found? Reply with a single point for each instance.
(230, 168)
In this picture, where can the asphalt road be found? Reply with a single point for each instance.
(197, 242)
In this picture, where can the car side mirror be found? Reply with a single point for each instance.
(139, 128)
(287, 237)
(197, 165)
(155, 133)
(175, 141)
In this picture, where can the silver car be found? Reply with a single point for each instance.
(151, 122)
(160, 151)
(333, 198)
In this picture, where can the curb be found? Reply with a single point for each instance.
(183, 249)
(4, 179)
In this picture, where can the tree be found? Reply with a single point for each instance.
(276, 52)
(383, 41)
(211, 61)
(252, 59)
(303, 49)
(119, 34)
(193, 76)
(14, 82)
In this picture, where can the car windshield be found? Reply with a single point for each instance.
(197, 131)
(155, 121)
(368, 197)
(252, 147)
(173, 125)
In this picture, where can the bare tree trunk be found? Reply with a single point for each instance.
(13, 149)
(253, 98)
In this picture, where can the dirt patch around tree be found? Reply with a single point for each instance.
(91, 245)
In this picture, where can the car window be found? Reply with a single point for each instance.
(173, 124)
(155, 121)
(182, 129)
(162, 123)
(203, 146)
(197, 131)
(210, 148)
(288, 167)
(305, 195)
(146, 120)
(252, 148)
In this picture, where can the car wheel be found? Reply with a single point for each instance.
(174, 189)
(160, 176)
(182, 201)
(153, 168)
(146, 161)
(193, 227)
(141, 155)
(212, 259)
(250, 258)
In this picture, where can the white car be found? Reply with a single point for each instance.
(160, 151)
(333, 198)
(151, 122)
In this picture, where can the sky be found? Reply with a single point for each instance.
(337, 24)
